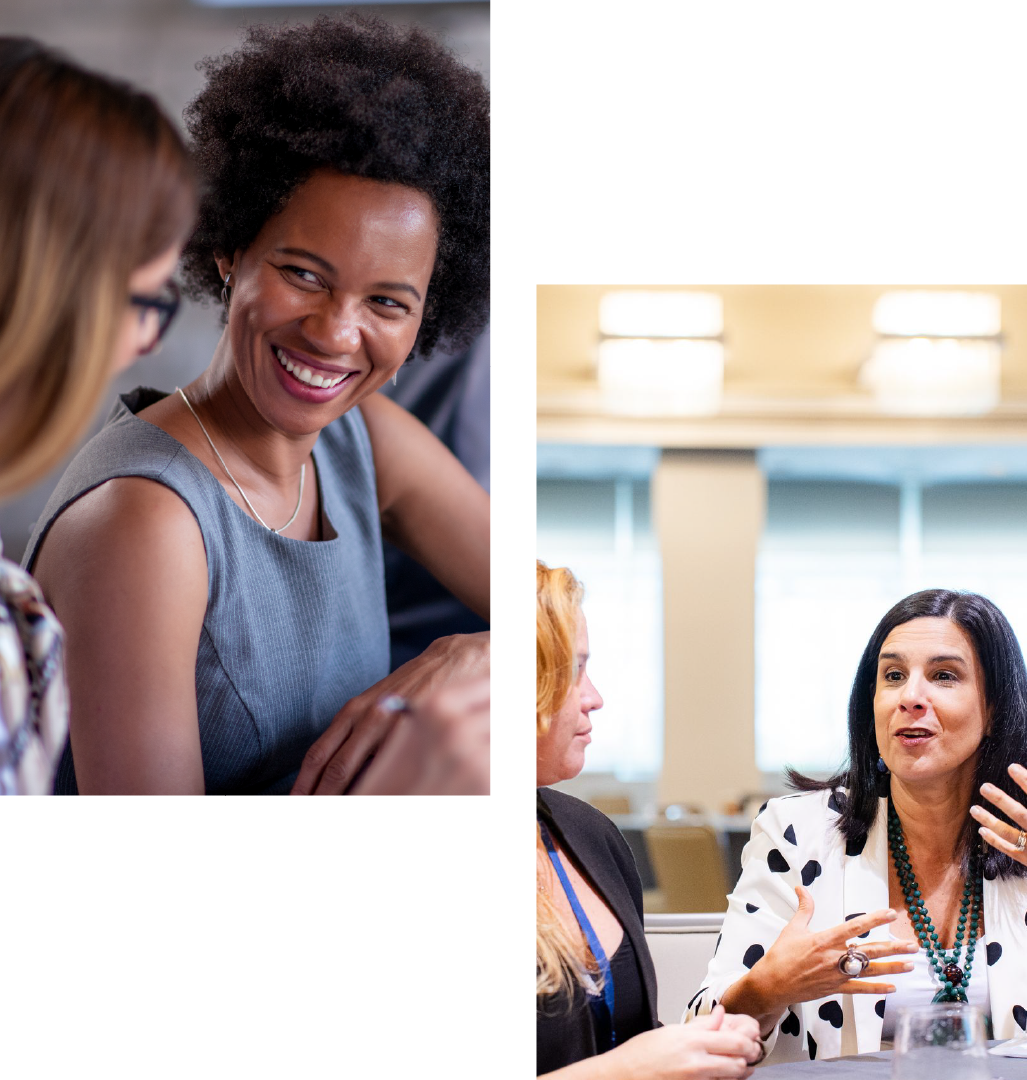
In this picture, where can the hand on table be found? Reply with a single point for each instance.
(803, 965)
(993, 830)
(438, 748)
(359, 729)
(747, 1025)
(707, 1048)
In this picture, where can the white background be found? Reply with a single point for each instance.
(678, 143)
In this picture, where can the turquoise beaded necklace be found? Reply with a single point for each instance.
(953, 978)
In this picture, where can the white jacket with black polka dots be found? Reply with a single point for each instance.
(794, 841)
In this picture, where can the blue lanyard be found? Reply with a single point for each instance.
(602, 1006)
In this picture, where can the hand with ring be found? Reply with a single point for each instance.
(853, 962)
(1010, 839)
(802, 965)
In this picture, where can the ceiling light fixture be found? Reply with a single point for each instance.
(661, 353)
(937, 354)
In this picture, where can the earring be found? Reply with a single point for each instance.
(224, 290)
(883, 781)
(394, 374)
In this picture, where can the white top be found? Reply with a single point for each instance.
(918, 987)
(795, 842)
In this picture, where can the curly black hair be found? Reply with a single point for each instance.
(358, 95)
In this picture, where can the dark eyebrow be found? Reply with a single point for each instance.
(303, 253)
(399, 286)
(933, 659)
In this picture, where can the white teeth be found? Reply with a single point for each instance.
(306, 375)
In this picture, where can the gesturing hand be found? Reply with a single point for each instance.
(360, 727)
(996, 832)
(802, 965)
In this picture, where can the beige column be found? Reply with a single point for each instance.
(708, 508)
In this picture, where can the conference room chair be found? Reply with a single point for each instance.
(689, 867)
(682, 947)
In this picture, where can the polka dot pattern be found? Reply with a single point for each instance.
(790, 1024)
(994, 952)
(855, 847)
(879, 1007)
(776, 862)
(810, 872)
(752, 954)
(812, 1044)
(831, 1011)
(790, 834)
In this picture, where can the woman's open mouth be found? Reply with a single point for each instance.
(913, 736)
(309, 382)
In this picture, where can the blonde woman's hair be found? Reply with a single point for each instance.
(562, 959)
(94, 183)
(557, 611)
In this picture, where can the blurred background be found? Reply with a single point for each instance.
(746, 478)
(156, 45)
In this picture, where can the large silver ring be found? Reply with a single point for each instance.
(1021, 841)
(853, 963)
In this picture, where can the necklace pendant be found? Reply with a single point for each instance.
(954, 974)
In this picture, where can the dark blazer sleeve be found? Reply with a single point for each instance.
(602, 855)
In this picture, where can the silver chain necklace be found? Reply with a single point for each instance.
(303, 470)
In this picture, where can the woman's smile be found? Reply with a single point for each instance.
(309, 380)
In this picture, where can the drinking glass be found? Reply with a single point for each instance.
(940, 1041)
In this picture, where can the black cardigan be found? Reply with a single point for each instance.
(598, 850)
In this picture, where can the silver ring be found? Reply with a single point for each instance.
(853, 963)
(1021, 841)
(394, 703)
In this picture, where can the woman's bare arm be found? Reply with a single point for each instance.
(125, 570)
(431, 506)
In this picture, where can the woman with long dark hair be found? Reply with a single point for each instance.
(873, 890)
(97, 197)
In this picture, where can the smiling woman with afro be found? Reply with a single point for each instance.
(360, 97)
(215, 554)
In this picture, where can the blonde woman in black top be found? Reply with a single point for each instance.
(596, 1017)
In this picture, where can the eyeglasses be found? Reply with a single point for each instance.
(157, 313)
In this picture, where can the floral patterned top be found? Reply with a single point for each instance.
(33, 693)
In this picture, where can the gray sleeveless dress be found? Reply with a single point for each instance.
(293, 628)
